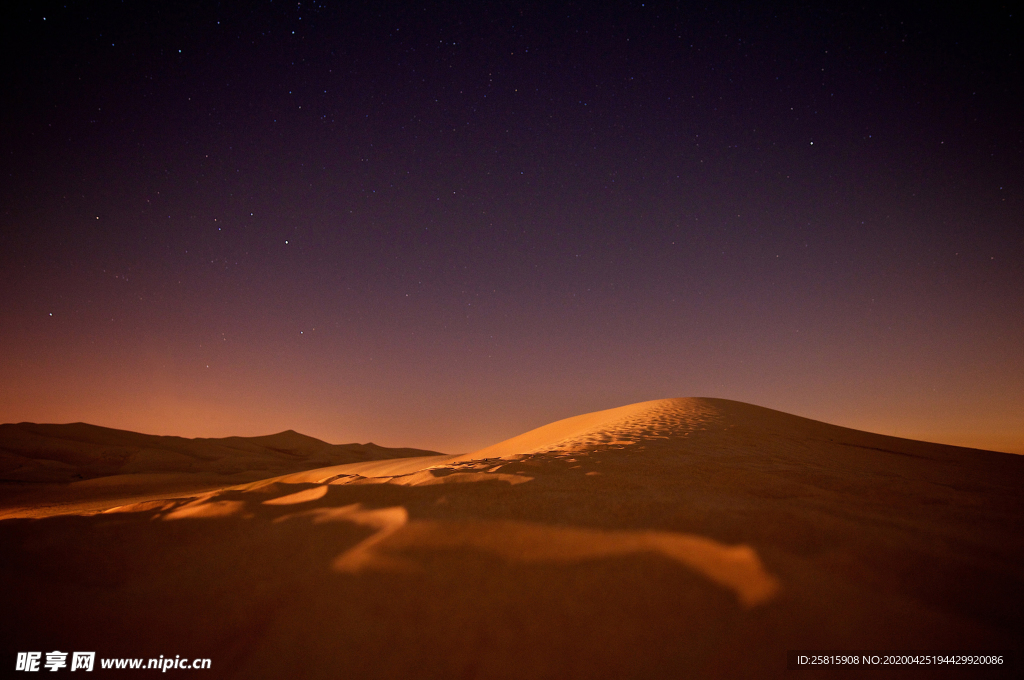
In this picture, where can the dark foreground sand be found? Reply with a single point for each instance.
(670, 539)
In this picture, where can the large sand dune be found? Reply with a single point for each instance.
(674, 538)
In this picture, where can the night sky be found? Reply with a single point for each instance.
(440, 225)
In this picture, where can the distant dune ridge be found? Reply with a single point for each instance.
(670, 538)
(38, 454)
(95, 465)
(66, 453)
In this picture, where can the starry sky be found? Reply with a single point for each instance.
(442, 224)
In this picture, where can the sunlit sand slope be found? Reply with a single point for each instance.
(670, 539)
(615, 427)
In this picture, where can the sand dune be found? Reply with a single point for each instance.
(672, 538)
(93, 466)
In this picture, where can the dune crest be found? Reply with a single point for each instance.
(304, 496)
(737, 568)
(206, 509)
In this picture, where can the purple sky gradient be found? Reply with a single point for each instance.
(439, 226)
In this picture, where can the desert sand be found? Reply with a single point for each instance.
(675, 538)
